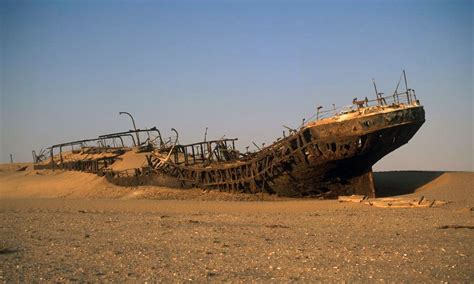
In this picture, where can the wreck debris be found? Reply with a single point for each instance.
(38, 158)
(456, 227)
(396, 202)
(328, 155)
(133, 122)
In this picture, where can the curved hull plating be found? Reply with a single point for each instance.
(341, 163)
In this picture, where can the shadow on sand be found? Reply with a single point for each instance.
(402, 182)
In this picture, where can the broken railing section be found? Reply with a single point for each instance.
(79, 145)
(114, 143)
(155, 139)
(206, 152)
(42, 156)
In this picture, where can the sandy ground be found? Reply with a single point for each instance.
(70, 226)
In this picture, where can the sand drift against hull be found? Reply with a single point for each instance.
(330, 155)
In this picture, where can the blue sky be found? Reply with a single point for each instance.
(241, 68)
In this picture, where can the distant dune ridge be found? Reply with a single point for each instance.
(450, 186)
(29, 183)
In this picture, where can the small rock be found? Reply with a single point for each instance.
(211, 273)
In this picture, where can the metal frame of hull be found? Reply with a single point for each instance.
(323, 160)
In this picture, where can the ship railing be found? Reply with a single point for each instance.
(105, 143)
(404, 98)
(206, 151)
(157, 139)
(397, 99)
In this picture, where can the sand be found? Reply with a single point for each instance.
(130, 160)
(71, 226)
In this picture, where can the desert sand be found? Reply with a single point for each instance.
(72, 226)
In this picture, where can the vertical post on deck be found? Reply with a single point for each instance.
(134, 126)
(406, 87)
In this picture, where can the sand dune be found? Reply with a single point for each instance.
(452, 186)
(130, 160)
(72, 184)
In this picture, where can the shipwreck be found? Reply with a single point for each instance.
(329, 155)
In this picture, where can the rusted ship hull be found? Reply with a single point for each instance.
(335, 163)
(324, 158)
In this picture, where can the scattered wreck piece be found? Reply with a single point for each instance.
(456, 227)
(396, 202)
(326, 157)
(21, 169)
(352, 198)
